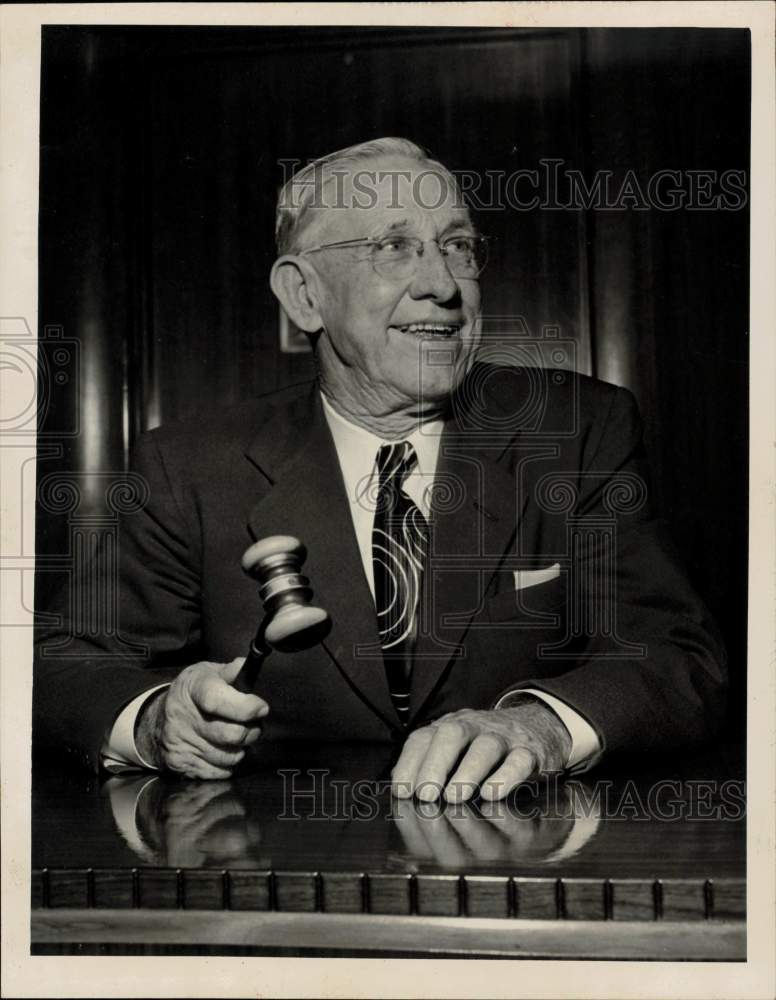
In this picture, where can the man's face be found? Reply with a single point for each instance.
(390, 342)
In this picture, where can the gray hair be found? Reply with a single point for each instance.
(300, 191)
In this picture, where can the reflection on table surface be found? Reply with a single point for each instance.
(330, 808)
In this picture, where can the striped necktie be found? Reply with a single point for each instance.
(399, 546)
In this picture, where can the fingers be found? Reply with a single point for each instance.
(229, 671)
(485, 752)
(192, 755)
(207, 723)
(413, 752)
(519, 765)
(464, 752)
(193, 765)
(448, 741)
(229, 735)
(213, 695)
(427, 758)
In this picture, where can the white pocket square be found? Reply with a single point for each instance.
(532, 577)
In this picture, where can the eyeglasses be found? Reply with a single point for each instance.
(396, 257)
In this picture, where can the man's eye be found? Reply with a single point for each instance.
(459, 245)
(394, 246)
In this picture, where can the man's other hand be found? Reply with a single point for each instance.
(494, 750)
(200, 725)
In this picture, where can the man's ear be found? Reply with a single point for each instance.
(296, 287)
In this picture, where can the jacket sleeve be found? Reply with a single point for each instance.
(649, 666)
(146, 583)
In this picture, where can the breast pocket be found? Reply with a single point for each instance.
(536, 606)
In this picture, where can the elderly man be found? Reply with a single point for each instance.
(503, 604)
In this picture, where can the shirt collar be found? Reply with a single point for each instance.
(357, 447)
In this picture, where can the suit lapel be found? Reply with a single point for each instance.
(307, 498)
(474, 518)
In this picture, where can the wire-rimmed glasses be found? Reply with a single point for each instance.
(396, 257)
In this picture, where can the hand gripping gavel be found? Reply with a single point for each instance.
(290, 622)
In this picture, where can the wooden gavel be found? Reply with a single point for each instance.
(290, 622)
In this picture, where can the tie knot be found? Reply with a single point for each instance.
(395, 460)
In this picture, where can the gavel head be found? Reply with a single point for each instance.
(294, 623)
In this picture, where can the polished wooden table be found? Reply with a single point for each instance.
(305, 852)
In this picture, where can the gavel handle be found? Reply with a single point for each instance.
(257, 654)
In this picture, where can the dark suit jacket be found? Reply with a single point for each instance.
(535, 467)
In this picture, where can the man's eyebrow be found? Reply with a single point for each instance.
(460, 222)
(397, 224)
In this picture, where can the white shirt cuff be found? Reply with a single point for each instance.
(119, 753)
(585, 745)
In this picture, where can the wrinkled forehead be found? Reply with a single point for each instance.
(386, 194)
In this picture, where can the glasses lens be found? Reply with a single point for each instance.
(397, 257)
(466, 256)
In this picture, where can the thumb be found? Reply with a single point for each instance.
(230, 670)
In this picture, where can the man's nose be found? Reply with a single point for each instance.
(432, 278)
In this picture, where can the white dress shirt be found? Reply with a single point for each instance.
(357, 450)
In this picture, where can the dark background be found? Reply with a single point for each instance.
(160, 152)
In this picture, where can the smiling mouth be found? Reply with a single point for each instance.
(433, 331)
